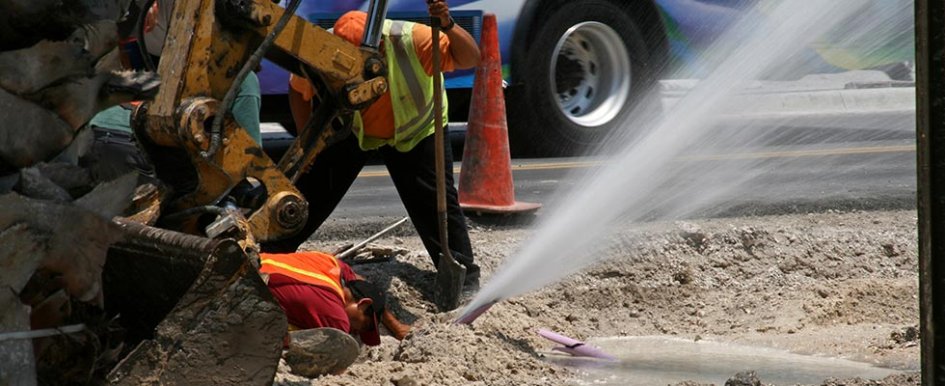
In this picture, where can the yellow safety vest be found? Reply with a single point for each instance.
(411, 92)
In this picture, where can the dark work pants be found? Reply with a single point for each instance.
(114, 153)
(414, 176)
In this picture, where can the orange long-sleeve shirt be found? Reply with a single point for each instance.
(378, 118)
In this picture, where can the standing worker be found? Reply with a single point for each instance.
(400, 126)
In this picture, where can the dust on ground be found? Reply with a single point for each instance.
(832, 284)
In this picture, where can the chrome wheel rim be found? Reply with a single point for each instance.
(590, 74)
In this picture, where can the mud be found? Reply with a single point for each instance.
(832, 284)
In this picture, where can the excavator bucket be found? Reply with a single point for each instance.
(119, 300)
(195, 309)
(178, 308)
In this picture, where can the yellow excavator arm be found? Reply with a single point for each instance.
(208, 43)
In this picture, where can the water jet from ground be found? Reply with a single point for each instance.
(650, 178)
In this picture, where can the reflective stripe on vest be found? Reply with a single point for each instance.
(411, 92)
(313, 268)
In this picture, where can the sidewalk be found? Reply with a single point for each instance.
(851, 100)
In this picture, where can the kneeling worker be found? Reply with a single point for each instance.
(318, 291)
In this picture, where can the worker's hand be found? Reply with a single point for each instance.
(397, 328)
(439, 9)
(462, 47)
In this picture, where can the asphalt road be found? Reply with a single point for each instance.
(868, 172)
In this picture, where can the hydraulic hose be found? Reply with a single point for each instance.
(254, 60)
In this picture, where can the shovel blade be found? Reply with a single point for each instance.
(448, 287)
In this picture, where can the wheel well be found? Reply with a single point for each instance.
(645, 13)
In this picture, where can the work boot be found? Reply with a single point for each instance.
(470, 288)
(472, 281)
(320, 351)
(472, 276)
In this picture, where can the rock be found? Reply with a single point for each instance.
(890, 250)
(34, 184)
(747, 378)
(74, 249)
(29, 70)
(78, 99)
(111, 198)
(693, 235)
(683, 277)
(23, 23)
(35, 135)
(751, 237)
(405, 380)
(20, 255)
(17, 366)
(906, 335)
(74, 179)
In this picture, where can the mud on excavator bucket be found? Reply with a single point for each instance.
(195, 309)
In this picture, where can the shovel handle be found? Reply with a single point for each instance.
(450, 274)
(440, 155)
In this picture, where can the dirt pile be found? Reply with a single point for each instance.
(834, 284)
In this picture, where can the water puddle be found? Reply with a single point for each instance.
(656, 360)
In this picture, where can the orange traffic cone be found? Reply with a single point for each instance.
(485, 180)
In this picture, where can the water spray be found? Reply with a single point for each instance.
(643, 176)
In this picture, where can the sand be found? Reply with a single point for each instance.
(834, 284)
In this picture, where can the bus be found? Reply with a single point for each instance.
(574, 68)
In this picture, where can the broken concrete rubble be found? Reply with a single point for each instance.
(87, 297)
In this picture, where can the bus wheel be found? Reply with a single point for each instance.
(584, 68)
